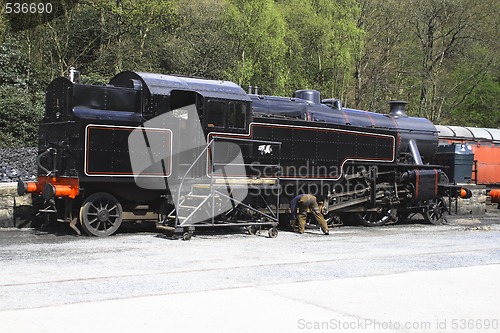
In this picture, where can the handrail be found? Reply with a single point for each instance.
(184, 178)
(54, 161)
(247, 140)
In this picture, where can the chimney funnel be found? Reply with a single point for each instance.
(398, 109)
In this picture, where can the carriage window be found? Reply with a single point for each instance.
(215, 111)
(237, 115)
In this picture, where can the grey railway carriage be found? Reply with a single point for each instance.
(210, 154)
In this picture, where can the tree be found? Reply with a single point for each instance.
(434, 54)
(322, 43)
(444, 30)
(3, 24)
(199, 44)
(380, 66)
(128, 26)
(256, 32)
(478, 103)
(20, 107)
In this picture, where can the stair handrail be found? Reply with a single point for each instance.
(184, 178)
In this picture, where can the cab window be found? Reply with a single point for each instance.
(237, 115)
(215, 113)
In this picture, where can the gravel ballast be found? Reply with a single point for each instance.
(17, 163)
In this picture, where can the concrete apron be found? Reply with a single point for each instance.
(453, 300)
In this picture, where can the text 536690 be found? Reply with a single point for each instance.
(28, 8)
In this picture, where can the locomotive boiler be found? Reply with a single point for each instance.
(215, 155)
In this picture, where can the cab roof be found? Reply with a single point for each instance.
(159, 84)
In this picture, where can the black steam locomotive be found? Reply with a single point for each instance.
(206, 153)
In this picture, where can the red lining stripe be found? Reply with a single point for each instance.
(371, 119)
(346, 117)
(114, 128)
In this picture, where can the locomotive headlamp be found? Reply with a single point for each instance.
(465, 193)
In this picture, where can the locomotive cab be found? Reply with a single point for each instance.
(84, 146)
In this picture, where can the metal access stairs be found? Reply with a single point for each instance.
(193, 205)
(219, 200)
(208, 205)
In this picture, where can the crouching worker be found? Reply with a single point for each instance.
(303, 203)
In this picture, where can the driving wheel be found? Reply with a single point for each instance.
(375, 218)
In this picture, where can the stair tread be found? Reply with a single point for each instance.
(180, 217)
(196, 196)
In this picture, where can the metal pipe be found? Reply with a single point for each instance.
(415, 153)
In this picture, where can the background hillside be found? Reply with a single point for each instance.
(439, 55)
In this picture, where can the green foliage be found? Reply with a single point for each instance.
(130, 30)
(440, 55)
(199, 44)
(94, 78)
(481, 107)
(433, 54)
(20, 107)
(19, 116)
(13, 66)
(257, 32)
(323, 41)
(3, 25)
